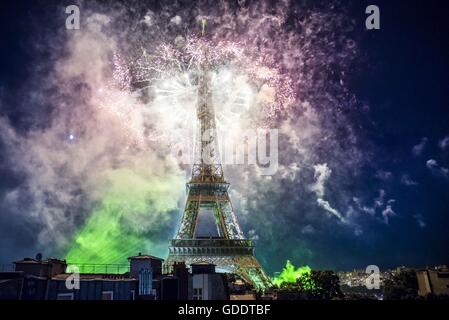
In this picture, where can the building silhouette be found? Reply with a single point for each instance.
(50, 279)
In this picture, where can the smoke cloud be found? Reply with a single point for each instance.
(99, 174)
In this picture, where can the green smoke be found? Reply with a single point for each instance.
(291, 275)
(134, 212)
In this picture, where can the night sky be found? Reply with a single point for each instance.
(384, 161)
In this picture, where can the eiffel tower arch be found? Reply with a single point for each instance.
(208, 190)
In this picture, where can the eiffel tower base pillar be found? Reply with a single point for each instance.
(233, 256)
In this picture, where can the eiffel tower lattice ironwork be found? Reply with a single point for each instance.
(208, 190)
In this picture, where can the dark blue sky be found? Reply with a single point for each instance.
(408, 91)
(403, 78)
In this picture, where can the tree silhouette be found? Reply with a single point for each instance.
(316, 285)
(402, 286)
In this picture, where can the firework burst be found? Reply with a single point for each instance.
(164, 79)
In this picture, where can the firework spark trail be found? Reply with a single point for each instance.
(168, 73)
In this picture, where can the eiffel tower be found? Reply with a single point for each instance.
(208, 191)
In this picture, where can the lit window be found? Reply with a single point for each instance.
(107, 295)
(197, 293)
(64, 296)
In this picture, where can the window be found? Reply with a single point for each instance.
(197, 293)
(64, 296)
(107, 295)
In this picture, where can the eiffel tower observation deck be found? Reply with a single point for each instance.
(208, 196)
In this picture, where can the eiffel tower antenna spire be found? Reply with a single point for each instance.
(203, 26)
(207, 166)
(207, 194)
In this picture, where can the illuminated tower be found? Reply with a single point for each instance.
(208, 194)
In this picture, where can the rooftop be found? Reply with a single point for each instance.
(35, 261)
(95, 276)
(141, 256)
